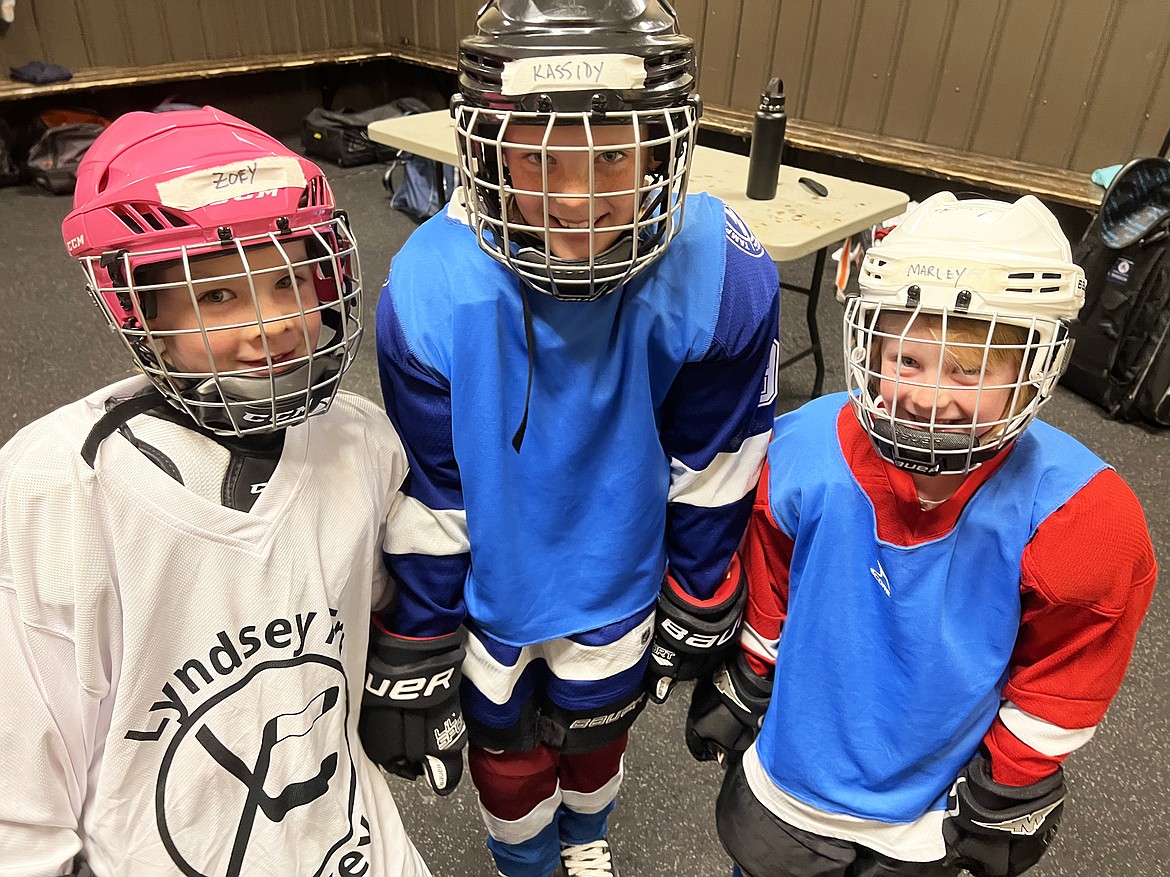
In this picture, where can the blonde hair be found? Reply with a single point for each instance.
(969, 343)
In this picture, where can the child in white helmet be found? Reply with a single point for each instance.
(943, 591)
(190, 556)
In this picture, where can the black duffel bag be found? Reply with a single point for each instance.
(1121, 359)
(340, 136)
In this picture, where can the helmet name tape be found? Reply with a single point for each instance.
(226, 182)
(947, 274)
(573, 73)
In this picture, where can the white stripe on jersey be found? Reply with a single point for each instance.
(414, 528)
(528, 826)
(754, 642)
(730, 477)
(917, 841)
(565, 659)
(1045, 737)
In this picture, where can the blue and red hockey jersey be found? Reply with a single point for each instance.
(904, 640)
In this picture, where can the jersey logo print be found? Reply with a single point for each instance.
(271, 750)
(282, 727)
(741, 236)
(771, 376)
(881, 578)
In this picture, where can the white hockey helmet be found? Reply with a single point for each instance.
(992, 262)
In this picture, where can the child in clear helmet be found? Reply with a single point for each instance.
(190, 555)
(944, 592)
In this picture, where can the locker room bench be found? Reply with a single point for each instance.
(94, 78)
(1065, 186)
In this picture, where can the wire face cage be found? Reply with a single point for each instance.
(939, 392)
(246, 336)
(574, 207)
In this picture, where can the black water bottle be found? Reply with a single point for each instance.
(767, 143)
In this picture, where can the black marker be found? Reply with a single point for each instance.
(813, 186)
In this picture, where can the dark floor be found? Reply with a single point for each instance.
(54, 348)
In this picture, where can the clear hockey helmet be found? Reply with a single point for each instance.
(981, 289)
(595, 206)
(165, 201)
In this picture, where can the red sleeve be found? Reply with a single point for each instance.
(766, 556)
(1087, 578)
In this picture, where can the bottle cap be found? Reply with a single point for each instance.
(772, 100)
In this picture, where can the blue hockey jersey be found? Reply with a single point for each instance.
(648, 419)
(892, 658)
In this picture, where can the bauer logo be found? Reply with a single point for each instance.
(608, 718)
(741, 236)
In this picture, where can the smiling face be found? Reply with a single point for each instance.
(966, 379)
(252, 336)
(561, 153)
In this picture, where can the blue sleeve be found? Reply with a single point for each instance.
(717, 420)
(430, 579)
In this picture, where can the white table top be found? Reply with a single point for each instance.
(793, 224)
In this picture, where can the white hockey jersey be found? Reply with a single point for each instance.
(180, 680)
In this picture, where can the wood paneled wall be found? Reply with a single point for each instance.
(126, 33)
(1070, 84)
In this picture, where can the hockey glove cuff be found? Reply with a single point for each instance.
(993, 830)
(726, 711)
(691, 635)
(411, 721)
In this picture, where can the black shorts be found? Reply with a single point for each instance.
(763, 845)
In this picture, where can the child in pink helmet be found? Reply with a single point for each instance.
(190, 555)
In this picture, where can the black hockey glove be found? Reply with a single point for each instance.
(994, 830)
(411, 722)
(726, 711)
(691, 636)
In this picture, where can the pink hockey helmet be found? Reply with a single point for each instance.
(172, 189)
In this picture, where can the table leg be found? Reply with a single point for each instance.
(814, 335)
(813, 292)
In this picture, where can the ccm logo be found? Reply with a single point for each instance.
(697, 640)
(409, 689)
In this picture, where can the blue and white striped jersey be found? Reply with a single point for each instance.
(648, 420)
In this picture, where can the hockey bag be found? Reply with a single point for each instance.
(1121, 358)
(340, 136)
(9, 172)
(419, 187)
(65, 136)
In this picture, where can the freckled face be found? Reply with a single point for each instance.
(617, 167)
(235, 341)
